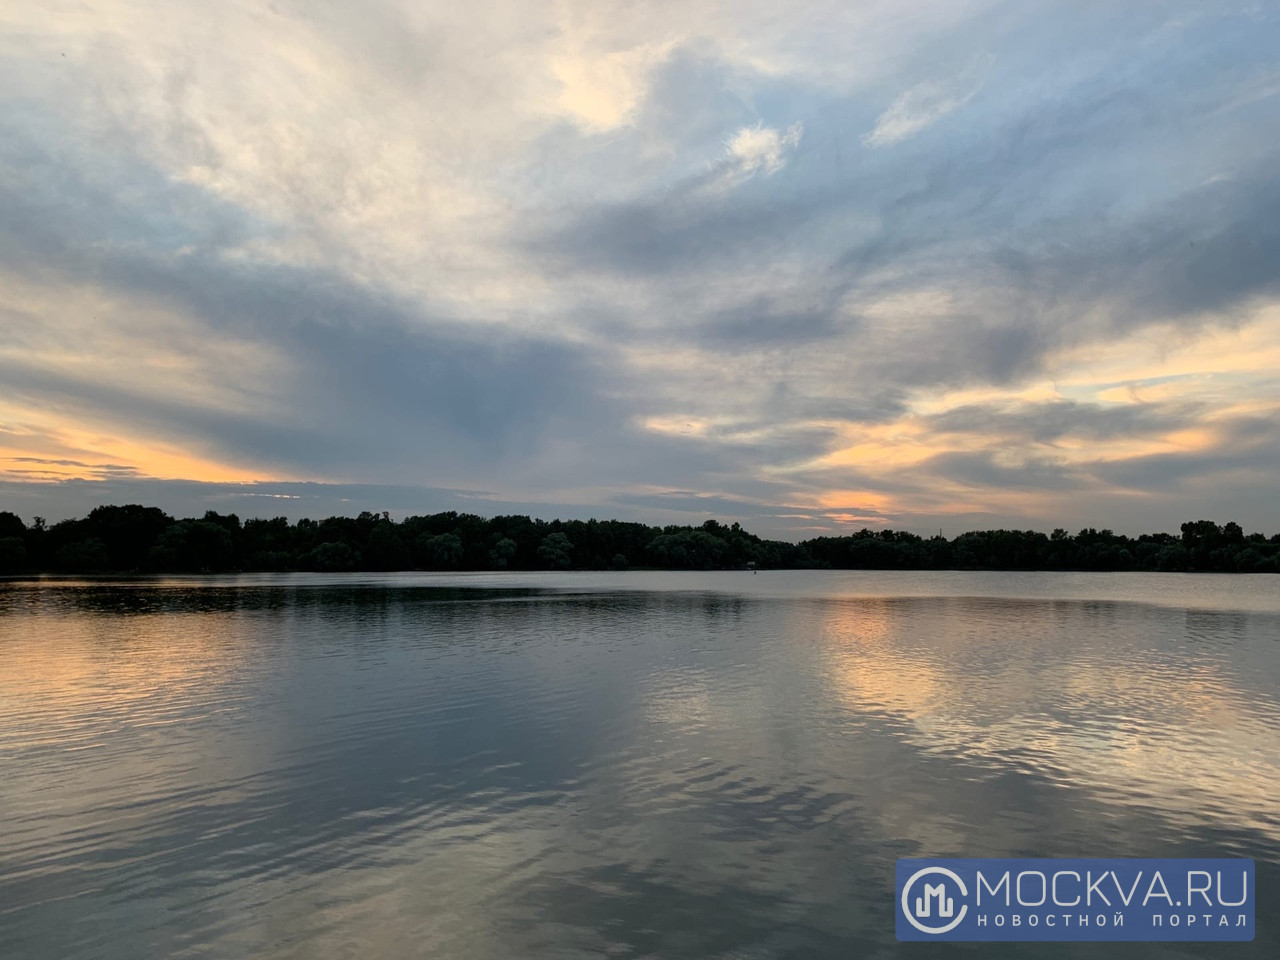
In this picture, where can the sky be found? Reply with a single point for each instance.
(809, 266)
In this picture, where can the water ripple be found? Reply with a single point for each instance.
(590, 766)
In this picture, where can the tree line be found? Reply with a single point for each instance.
(133, 538)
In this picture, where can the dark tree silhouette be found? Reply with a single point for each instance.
(134, 538)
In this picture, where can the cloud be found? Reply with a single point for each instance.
(761, 149)
(926, 103)
(919, 107)
(1248, 445)
(602, 91)
(1053, 421)
(578, 256)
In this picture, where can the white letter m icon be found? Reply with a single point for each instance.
(946, 905)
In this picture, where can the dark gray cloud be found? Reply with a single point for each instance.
(693, 502)
(985, 470)
(1052, 421)
(766, 323)
(1243, 445)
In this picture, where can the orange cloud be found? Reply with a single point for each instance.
(59, 449)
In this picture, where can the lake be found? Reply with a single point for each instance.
(641, 765)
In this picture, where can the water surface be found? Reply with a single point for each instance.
(610, 765)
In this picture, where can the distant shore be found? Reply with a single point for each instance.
(138, 539)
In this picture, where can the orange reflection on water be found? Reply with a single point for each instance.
(1090, 711)
(80, 676)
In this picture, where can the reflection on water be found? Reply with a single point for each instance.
(1094, 697)
(629, 765)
